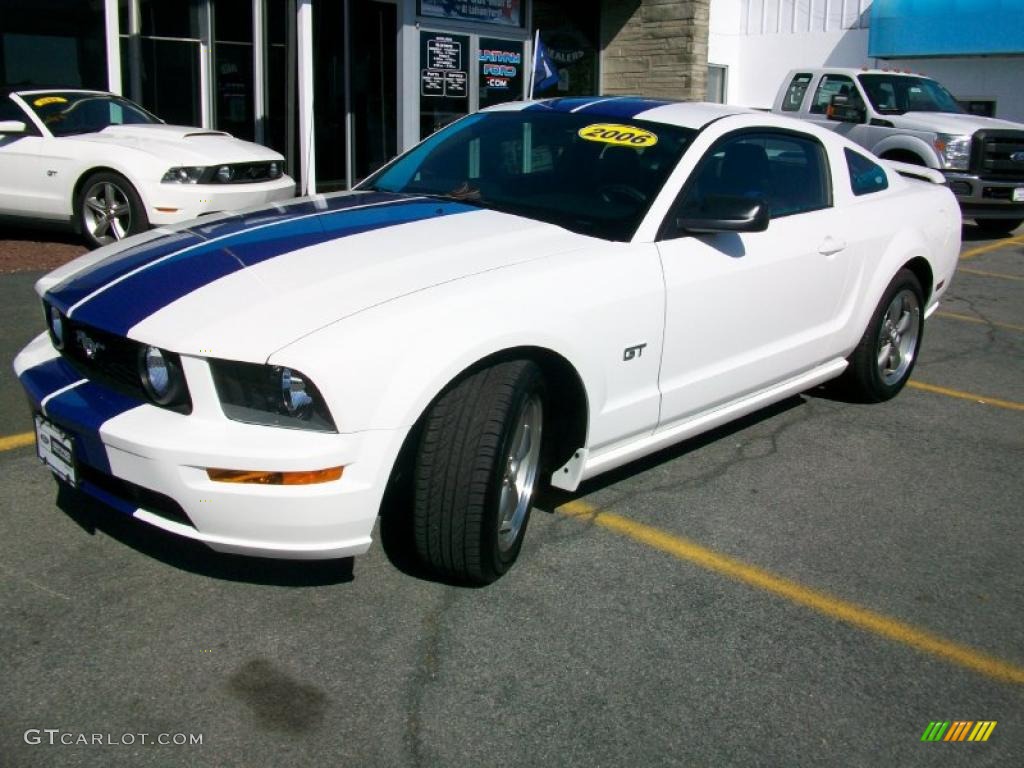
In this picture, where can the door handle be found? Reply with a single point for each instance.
(831, 245)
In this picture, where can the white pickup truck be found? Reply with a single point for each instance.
(914, 119)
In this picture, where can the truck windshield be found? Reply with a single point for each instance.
(896, 94)
(580, 172)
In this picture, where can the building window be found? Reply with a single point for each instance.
(717, 83)
(61, 42)
(232, 68)
(570, 31)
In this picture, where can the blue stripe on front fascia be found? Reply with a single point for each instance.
(80, 411)
(68, 293)
(112, 501)
(131, 301)
(624, 108)
(46, 378)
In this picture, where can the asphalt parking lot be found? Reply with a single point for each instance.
(813, 585)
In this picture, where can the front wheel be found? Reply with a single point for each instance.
(884, 359)
(109, 209)
(477, 467)
(998, 226)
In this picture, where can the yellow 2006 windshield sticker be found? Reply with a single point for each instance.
(620, 135)
(43, 101)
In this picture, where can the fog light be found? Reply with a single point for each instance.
(56, 327)
(156, 375)
(225, 174)
(257, 477)
(275, 170)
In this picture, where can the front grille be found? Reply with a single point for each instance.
(246, 173)
(114, 361)
(992, 154)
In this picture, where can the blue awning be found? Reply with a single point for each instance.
(908, 28)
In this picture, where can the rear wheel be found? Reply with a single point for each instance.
(477, 467)
(998, 226)
(109, 209)
(884, 359)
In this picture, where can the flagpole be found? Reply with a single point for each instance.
(533, 65)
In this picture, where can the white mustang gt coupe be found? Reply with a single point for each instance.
(107, 166)
(538, 292)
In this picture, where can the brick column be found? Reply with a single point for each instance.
(655, 48)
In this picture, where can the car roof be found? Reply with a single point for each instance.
(687, 114)
(852, 71)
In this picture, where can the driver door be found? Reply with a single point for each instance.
(746, 310)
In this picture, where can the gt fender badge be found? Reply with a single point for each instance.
(630, 352)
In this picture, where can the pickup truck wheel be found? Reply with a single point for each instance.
(998, 226)
(109, 209)
(476, 470)
(884, 359)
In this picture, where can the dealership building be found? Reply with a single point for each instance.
(340, 86)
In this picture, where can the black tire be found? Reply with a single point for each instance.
(867, 378)
(462, 464)
(998, 226)
(108, 208)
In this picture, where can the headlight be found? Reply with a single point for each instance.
(270, 394)
(954, 150)
(225, 174)
(190, 174)
(161, 375)
(55, 323)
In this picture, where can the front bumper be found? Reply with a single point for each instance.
(131, 452)
(173, 203)
(985, 198)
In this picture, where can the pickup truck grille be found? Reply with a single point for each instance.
(992, 154)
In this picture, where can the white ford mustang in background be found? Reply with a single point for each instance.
(539, 291)
(112, 169)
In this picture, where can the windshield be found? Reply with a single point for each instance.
(69, 112)
(580, 172)
(896, 94)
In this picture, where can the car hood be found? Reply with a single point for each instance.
(244, 286)
(181, 145)
(949, 122)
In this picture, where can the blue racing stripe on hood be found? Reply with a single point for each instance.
(125, 303)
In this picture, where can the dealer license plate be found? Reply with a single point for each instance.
(1018, 195)
(56, 450)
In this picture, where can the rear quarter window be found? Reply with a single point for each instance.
(795, 93)
(866, 176)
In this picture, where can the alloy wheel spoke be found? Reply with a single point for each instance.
(883, 355)
(96, 205)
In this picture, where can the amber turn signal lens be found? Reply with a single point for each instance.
(275, 478)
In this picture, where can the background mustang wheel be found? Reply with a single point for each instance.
(109, 209)
(476, 470)
(885, 357)
(998, 226)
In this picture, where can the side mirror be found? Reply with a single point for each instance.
(846, 109)
(12, 126)
(725, 214)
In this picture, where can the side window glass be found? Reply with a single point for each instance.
(865, 176)
(795, 94)
(832, 85)
(787, 171)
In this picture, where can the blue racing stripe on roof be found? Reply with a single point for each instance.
(125, 304)
(625, 108)
(560, 105)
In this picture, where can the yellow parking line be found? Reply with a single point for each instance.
(978, 320)
(822, 602)
(11, 442)
(991, 247)
(961, 395)
(983, 273)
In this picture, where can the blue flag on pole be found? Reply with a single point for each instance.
(545, 72)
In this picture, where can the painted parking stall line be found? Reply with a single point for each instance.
(826, 604)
